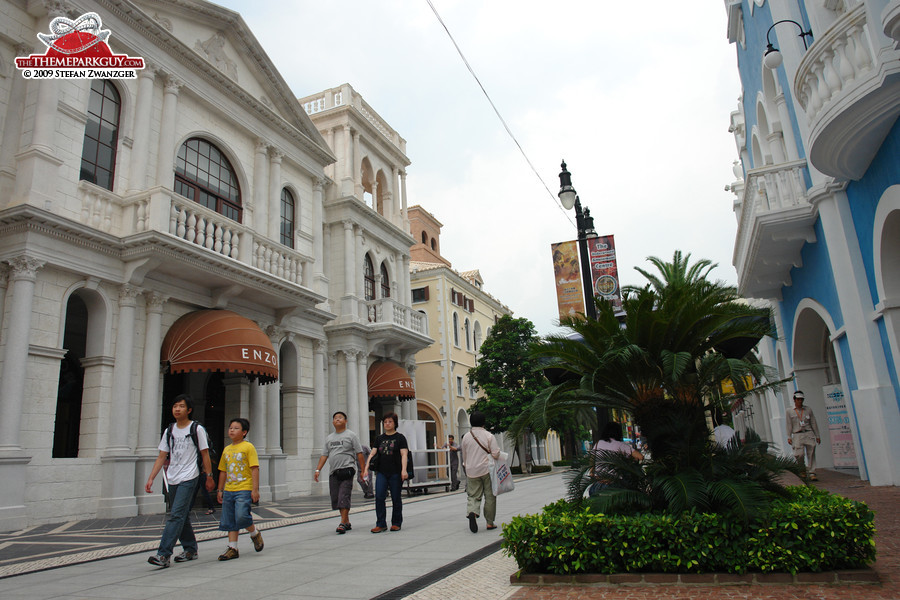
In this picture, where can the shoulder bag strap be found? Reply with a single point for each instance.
(474, 437)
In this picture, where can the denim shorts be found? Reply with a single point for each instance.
(236, 511)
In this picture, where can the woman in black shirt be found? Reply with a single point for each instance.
(390, 452)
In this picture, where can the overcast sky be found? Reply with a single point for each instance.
(635, 96)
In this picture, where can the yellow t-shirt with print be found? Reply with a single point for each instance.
(236, 462)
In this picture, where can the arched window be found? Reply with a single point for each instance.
(468, 338)
(385, 282)
(369, 278)
(424, 238)
(455, 330)
(101, 135)
(203, 174)
(287, 218)
(433, 244)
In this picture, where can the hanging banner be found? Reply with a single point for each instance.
(567, 276)
(604, 270)
(842, 449)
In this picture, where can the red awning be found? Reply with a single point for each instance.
(387, 379)
(219, 340)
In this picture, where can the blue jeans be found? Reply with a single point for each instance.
(236, 511)
(178, 524)
(382, 483)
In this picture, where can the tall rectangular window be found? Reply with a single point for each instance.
(101, 135)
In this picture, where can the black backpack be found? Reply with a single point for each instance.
(193, 435)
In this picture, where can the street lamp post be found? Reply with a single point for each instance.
(585, 223)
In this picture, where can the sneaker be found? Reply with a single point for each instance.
(186, 556)
(159, 560)
(473, 522)
(258, 544)
(229, 554)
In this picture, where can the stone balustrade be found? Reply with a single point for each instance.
(834, 63)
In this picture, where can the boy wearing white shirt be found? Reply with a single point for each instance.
(184, 475)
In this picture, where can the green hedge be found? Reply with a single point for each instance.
(562, 463)
(541, 468)
(811, 530)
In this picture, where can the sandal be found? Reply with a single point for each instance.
(211, 511)
(342, 528)
(812, 477)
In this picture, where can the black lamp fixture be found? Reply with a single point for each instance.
(585, 222)
(773, 58)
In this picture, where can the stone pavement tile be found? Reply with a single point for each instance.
(487, 579)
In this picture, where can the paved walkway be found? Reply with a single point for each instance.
(434, 557)
(303, 556)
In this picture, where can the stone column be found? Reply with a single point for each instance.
(260, 188)
(273, 398)
(12, 392)
(318, 233)
(117, 486)
(356, 171)
(12, 133)
(352, 388)
(403, 212)
(274, 198)
(333, 404)
(790, 142)
(348, 309)
(22, 277)
(362, 365)
(328, 134)
(375, 206)
(143, 110)
(151, 407)
(277, 458)
(347, 188)
(320, 401)
(258, 436)
(164, 166)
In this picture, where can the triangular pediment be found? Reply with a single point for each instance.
(221, 43)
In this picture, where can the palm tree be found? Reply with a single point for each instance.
(662, 364)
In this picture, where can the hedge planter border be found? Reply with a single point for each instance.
(848, 577)
(802, 538)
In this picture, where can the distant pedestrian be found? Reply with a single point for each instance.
(803, 434)
(238, 488)
(453, 454)
(342, 451)
(391, 453)
(478, 447)
(183, 475)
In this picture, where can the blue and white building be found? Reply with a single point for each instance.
(817, 200)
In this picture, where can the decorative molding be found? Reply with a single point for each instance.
(213, 50)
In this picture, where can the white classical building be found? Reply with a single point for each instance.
(817, 200)
(190, 230)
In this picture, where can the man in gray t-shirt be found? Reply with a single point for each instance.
(342, 449)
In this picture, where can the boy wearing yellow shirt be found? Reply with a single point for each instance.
(238, 487)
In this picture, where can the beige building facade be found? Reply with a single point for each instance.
(460, 314)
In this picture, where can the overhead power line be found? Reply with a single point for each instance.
(497, 112)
